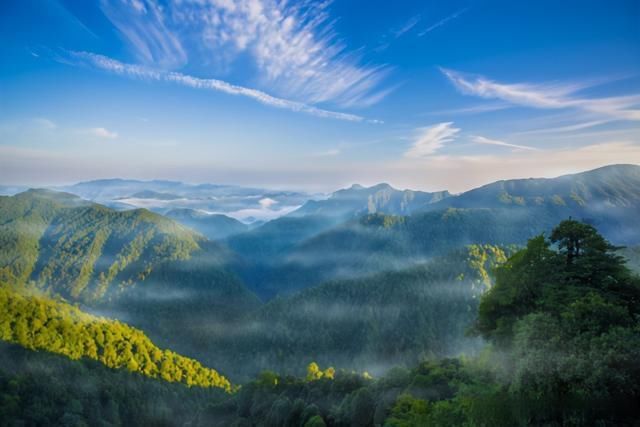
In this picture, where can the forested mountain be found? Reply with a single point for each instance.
(608, 197)
(608, 186)
(374, 321)
(377, 242)
(294, 253)
(213, 226)
(358, 200)
(271, 242)
(275, 238)
(133, 265)
(82, 250)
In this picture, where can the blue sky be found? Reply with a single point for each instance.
(317, 95)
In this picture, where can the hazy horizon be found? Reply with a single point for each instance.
(323, 190)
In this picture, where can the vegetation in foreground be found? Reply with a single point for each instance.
(40, 323)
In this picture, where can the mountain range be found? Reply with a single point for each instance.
(217, 290)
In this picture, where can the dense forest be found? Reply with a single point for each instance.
(398, 309)
(561, 320)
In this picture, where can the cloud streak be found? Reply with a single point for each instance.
(488, 141)
(143, 73)
(432, 139)
(408, 26)
(441, 22)
(546, 96)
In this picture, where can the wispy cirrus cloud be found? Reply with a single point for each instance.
(488, 141)
(293, 45)
(547, 96)
(431, 139)
(144, 73)
(142, 25)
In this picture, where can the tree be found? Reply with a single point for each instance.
(575, 238)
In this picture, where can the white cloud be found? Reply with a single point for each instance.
(293, 44)
(488, 141)
(102, 133)
(267, 203)
(144, 73)
(547, 96)
(431, 139)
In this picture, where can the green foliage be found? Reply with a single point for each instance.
(44, 389)
(39, 323)
(567, 317)
(382, 220)
(540, 279)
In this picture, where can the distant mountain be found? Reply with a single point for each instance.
(213, 226)
(272, 241)
(108, 189)
(607, 197)
(247, 204)
(285, 257)
(614, 186)
(150, 194)
(358, 200)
